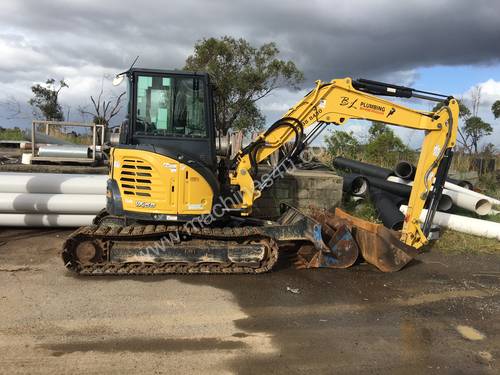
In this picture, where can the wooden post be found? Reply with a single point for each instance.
(94, 141)
(33, 138)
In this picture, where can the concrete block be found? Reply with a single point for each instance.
(301, 189)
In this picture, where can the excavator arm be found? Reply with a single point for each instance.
(338, 102)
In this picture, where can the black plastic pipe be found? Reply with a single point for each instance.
(358, 185)
(395, 188)
(387, 206)
(404, 191)
(361, 168)
(405, 170)
(355, 184)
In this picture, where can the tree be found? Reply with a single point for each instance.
(489, 150)
(463, 110)
(342, 143)
(45, 100)
(242, 74)
(383, 144)
(463, 113)
(475, 100)
(495, 108)
(103, 111)
(475, 129)
(377, 129)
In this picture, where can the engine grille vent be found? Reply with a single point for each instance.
(136, 177)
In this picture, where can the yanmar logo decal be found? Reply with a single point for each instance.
(142, 204)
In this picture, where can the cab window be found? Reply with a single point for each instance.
(170, 106)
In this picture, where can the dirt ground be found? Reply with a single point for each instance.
(441, 314)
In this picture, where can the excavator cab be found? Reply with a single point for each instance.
(164, 168)
(171, 110)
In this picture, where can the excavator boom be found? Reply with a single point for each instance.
(342, 100)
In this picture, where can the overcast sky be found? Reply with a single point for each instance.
(443, 45)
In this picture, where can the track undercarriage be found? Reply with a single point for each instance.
(110, 247)
(159, 249)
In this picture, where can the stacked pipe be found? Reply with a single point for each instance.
(459, 191)
(366, 180)
(390, 189)
(50, 199)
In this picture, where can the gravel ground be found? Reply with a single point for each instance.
(441, 314)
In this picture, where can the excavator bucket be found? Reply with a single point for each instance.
(325, 247)
(377, 244)
(342, 251)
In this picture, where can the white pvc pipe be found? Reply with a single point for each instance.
(357, 198)
(461, 189)
(41, 220)
(477, 227)
(451, 186)
(472, 202)
(469, 202)
(52, 183)
(65, 151)
(51, 203)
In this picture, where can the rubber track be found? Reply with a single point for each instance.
(153, 233)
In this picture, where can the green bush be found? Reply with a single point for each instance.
(14, 134)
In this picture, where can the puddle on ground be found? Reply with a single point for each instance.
(139, 344)
(486, 356)
(470, 333)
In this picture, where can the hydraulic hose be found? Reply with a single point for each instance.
(295, 125)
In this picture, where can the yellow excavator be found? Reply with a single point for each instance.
(177, 202)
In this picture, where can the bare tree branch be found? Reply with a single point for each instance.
(104, 110)
(116, 109)
(96, 106)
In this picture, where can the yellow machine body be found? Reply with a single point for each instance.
(336, 103)
(156, 184)
(168, 171)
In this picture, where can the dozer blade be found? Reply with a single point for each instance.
(378, 245)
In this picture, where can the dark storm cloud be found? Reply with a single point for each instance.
(325, 38)
(86, 40)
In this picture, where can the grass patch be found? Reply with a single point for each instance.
(365, 210)
(16, 134)
(462, 212)
(449, 241)
(457, 242)
(489, 185)
(11, 134)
